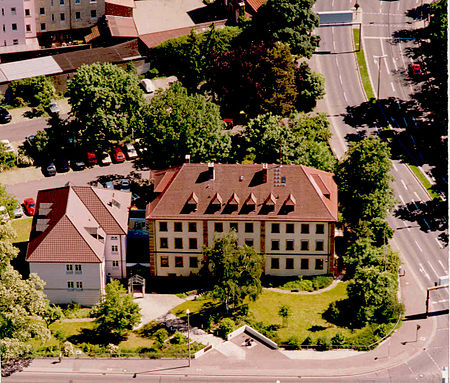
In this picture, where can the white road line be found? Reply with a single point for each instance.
(417, 196)
(392, 86)
(334, 44)
(418, 245)
(377, 37)
(432, 268)
(442, 265)
(404, 185)
(440, 301)
(340, 78)
(345, 97)
(401, 199)
(437, 240)
(395, 64)
(422, 270)
(384, 54)
(395, 167)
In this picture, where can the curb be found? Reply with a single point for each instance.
(420, 183)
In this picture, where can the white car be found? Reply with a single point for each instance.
(147, 85)
(125, 184)
(105, 159)
(18, 211)
(9, 147)
(130, 151)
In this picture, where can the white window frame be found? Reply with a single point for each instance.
(69, 268)
(70, 285)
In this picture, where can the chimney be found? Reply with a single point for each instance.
(187, 158)
(264, 173)
(211, 172)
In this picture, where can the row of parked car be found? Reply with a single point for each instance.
(117, 155)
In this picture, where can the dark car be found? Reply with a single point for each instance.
(50, 169)
(117, 155)
(4, 116)
(62, 165)
(78, 164)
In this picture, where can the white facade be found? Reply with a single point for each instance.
(115, 256)
(12, 22)
(81, 283)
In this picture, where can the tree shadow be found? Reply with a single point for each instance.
(316, 328)
(14, 365)
(93, 336)
(419, 13)
(33, 113)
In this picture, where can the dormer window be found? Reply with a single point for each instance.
(234, 199)
(251, 200)
(193, 199)
(270, 200)
(290, 200)
(217, 199)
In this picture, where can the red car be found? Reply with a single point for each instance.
(118, 155)
(30, 206)
(91, 158)
(415, 70)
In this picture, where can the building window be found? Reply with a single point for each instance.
(163, 243)
(93, 1)
(93, 14)
(27, 12)
(193, 262)
(114, 238)
(275, 263)
(114, 248)
(14, 27)
(319, 264)
(162, 225)
(164, 261)
(78, 15)
(79, 285)
(115, 263)
(275, 245)
(304, 264)
(218, 227)
(320, 228)
(305, 228)
(178, 227)
(178, 243)
(3, 11)
(62, 17)
(53, 18)
(192, 227)
(28, 27)
(70, 285)
(4, 30)
(178, 261)
(193, 243)
(69, 269)
(289, 244)
(52, 3)
(78, 269)
(275, 227)
(61, 2)
(289, 228)
(13, 11)
(304, 245)
(249, 242)
(234, 226)
(77, 1)
(319, 245)
(42, 12)
(289, 263)
(15, 42)
(249, 227)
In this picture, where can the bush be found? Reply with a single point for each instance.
(34, 91)
(60, 335)
(226, 326)
(307, 341)
(293, 342)
(68, 349)
(161, 335)
(178, 338)
(323, 343)
(338, 339)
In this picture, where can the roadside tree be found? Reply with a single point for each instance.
(7, 158)
(233, 272)
(33, 91)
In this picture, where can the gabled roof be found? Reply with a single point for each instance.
(281, 192)
(254, 5)
(77, 218)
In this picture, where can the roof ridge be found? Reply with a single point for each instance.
(82, 236)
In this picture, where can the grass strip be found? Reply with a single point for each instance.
(362, 66)
(22, 228)
(424, 181)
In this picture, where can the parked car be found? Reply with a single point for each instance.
(5, 117)
(18, 211)
(147, 85)
(91, 158)
(4, 215)
(50, 169)
(125, 184)
(78, 164)
(415, 70)
(8, 146)
(62, 165)
(130, 151)
(117, 155)
(105, 159)
(30, 206)
(53, 108)
(109, 185)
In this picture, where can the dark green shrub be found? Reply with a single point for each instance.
(338, 339)
(34, 91)
(323, 343)
(226, 326)
(293, 342)
(178, 338)
(161, 335)
(307, 341)
(60, 335)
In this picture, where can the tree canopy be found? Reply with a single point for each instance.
(34, 91)
(233, 271)
(107, 104)
(180, 124)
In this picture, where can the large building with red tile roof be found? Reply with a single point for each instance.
(286, 212)
(78, 240)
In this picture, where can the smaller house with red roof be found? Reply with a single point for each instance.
(78, 241)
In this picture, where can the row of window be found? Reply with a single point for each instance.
(62, 18)
(289, 245)
(290, 264)
(61, 2)
(248, 227)
(179, 262)
(71, 285)
(70, 268)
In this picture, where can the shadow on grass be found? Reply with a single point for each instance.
(93, 336)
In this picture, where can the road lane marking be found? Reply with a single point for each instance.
(439, 243)
(340, 78)
(401, 199)
(383, 53)
(442, 265)
(395, 167)
(422, 270)
(395, 64)
(417, 196)
(404, 185)
(440, 301)
(392, 86)
(345, 97)
(432, 268)
(418, 246)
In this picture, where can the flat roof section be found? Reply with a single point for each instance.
(40, 66)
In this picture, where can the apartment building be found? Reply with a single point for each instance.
(78, 241)
(286, 212)
(16, 22)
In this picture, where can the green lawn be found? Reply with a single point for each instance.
(22, 228)
(424, 181)
(362, 66)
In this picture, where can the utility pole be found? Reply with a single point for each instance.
(379, 73)
(189, 339)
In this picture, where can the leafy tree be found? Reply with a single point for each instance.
(34, 91)
(116, 313)
(52, 314)
(180, 124)
(289, 21)
(364, 181)
(310, 87)
(7, 200)
(233, 271)
(362, 253)
(20, 301)
(7, 159)
(285, 312)
(107, 104)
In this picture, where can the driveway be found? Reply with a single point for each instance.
(156, 305)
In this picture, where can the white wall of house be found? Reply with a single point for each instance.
(115, 256)
(71, 282)
(12, 22)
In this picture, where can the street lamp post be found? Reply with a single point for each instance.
(379, 73)
(189, 339)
